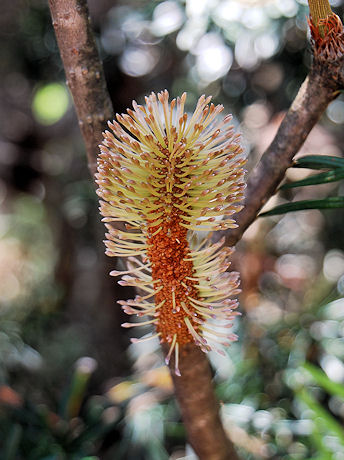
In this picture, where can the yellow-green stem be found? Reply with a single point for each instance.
(319, 9)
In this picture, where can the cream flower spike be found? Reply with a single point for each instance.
(172, 177)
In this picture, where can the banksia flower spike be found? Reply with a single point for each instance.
(326, 30)
(170, 178)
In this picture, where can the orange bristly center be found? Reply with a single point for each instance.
(167, 252)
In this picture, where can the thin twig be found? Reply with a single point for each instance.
(84, 71)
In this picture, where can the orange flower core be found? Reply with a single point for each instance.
(168, 252)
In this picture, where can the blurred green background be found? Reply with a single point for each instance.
(71, 386)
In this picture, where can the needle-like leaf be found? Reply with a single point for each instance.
(326, 203)
(322, 178)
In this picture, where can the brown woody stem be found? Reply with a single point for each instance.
(84, 71)
(199, 407)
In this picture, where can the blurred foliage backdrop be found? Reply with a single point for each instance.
(71, 386)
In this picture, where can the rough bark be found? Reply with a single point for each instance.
(199, 407)
(84, 71)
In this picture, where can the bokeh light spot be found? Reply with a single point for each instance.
(245, 53)
(333, 265)
(266, 45)
(167, 18)
(50, 102)
(214, 58)
(137, 62)
(335, 112)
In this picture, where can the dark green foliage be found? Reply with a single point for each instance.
(336, 173)
(322, 178)
(319, 162)
(32, 431)
(326, 203)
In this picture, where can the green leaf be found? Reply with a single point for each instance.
(12, 442)
(326, 203)
(50, 103)
(322, 178)
(319, 162)
(82, 374)
(317, 439)
(322, 418)
(334, 388)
